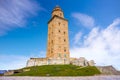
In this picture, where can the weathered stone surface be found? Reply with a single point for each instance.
(44, 61)
(91, 63)
(108, 70)
(82, 62)
(36, 62)
(9, 73)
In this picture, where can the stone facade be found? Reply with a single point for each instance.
(36, 62)
(58, 44)
(74, 61)
(45, 61)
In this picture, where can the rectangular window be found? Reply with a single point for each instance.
(59, 23)
(64, 40)
(65, 55)
(64, 33)
(59, 31)
(51, 51)
(52, 41)
(64, 50)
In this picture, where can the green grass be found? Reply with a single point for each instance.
(60, 70)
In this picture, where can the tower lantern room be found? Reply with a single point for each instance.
(58, 12)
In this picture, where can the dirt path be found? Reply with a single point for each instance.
(61, 78)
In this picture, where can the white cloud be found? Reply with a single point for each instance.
(84, 19)
(9, 62)
(14, 13)
(77, 37)
(101, 45)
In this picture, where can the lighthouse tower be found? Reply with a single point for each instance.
(58, 42)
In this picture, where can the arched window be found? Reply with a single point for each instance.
(59, 23)
(64, 40)
(64, 32)
(59, 31)
(64, 50)
(60, 14)
(52, 41)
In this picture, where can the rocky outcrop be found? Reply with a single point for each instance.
(108, 70)
(11, 72)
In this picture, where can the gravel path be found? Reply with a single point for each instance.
(62, 78)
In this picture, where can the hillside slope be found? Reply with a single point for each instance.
(59, 70)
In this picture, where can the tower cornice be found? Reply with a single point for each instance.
(57, 17)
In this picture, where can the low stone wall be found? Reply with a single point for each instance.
(9, 73)
(45, 61)
(36, 62)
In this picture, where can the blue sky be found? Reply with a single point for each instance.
(94, 30)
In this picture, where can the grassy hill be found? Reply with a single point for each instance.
(59, 70)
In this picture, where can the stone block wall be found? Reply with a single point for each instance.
(82, 62)
(44, 61)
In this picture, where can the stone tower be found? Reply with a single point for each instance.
(58, 42)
